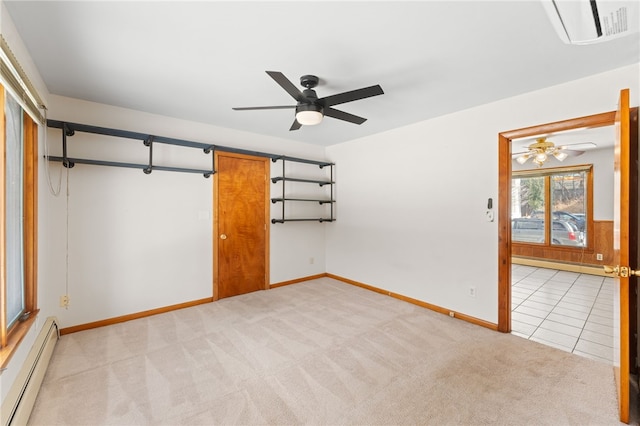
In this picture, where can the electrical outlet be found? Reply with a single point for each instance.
(599, 256)
(311, 261)
(64, 301)
(472, 291)
(451, 314)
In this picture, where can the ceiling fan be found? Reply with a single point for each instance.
(542, 149)
(309, 108)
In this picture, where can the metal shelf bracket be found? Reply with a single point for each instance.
(211, 149)
(149, 142)
(65, 160)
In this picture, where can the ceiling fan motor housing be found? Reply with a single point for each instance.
(542, 145)
(310, 95)
(309, 81)
(309, 107)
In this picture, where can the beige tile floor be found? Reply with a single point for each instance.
(566, 310)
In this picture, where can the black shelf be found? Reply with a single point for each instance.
(280, 200)
(322, 196)
(320, 164)
(206, 173)
(288, 179)
(69, 129)
(302, 220)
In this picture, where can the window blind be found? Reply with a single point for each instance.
(18, 83)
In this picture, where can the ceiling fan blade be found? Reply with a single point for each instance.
(263, 107)
(582, 145)
(515, 154)
(287, 85)
(350, 96)
(345, 116)
(572, 152)
(295, 126)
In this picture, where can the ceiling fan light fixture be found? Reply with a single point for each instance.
(540, 157)
(309, 114)
(523, 158)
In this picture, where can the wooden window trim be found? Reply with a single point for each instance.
(589, 227)
(30, 212)
(10, 338)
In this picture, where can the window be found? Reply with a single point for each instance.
(14, 207)
(18, 201)
(561, 197)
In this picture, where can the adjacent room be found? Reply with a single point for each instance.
(319, 212)
(568, 306)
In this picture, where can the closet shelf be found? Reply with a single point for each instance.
(279, 200)
(323, 195)
(207, 173)
(288, 179)
(69, 129)
(302, 220)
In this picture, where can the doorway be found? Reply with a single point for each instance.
(562, 222)
(624, 234)
(504, 199)
(240, 229)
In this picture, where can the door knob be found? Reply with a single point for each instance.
(223, 236)
(620, 271)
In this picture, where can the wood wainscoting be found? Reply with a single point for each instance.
(602, 242)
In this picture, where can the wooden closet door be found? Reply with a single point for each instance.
(241, 224)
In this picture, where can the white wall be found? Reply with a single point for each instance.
(411, 201)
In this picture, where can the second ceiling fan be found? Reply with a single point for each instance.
(309, 108)
(542, 149)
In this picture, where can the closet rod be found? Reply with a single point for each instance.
(73, 127)
(143, 167)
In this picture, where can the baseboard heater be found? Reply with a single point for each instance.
(18, 404)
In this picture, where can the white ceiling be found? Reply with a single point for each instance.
(197, 60)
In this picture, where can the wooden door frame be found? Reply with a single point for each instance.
(504, 198)
(216, 213)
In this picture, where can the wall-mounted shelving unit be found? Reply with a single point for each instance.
(69, 129)
(323, 197)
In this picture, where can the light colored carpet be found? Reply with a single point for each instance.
(319, 352)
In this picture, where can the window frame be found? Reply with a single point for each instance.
(547, 173)
(11, 337)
